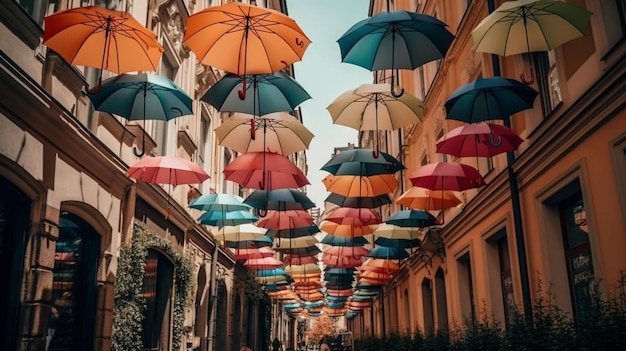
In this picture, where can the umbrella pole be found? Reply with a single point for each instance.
(106, 41)
(242, 92)
(393, 52)
(525, 80)
(143, 139)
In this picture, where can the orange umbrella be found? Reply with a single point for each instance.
(345, 230)
(245, 39)
(383, 277)
(361, 186)
(379, 265)
(424, 199)
(354, 251)
(97, 37)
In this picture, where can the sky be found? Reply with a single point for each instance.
(325, 77)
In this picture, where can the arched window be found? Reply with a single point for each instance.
(441, 302)
(14, 218)
(427, 304)
(74, 286)
(157, 290)
(236, 337)
(221, 332)
(202, 302)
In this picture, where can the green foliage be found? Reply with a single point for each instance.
(601, 327)
(254, 291)
(129, 306)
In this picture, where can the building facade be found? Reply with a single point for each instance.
(79, 239)
(567, 177)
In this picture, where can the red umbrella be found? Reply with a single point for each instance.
(167, 170)
(265, 170)
(297, 260)
(479, 139)
(447, 176)
(246, 254)
(341, 261)
(354, 251)
(282, 220)
(340, 292)
(263, 263)
(353, 216)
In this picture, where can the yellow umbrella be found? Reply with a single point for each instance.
(309, 268)
(240, 232)
(424, 199)
(295, 243)
(391, 231)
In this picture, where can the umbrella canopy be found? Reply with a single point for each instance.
(343, 241)
(380, 276)
(263, 263)
(380, 265)
(252, 243)
(395, 40)
(525, 26)
(230, 218)
(363, 162)
(361, 186)
(219, 202)
(388, 253)
(397, 243)
(447, 176)
(391, 231)
(412, 218)
(298, 260)
(303, 269)
(479, 139)
(354, 251)
(424, 199)
(346, 230)
(358, 202)
(245, 39)
(489, 99)
(276, 92)
(282, 220)
(279, 132)
(372, 107)
(240, 232)
(353, 216)
(246, 254)
(279, 199)
(299, 251)
(293, 232)
(261, 170)
(98, 37)
(295, 243)
(167, 170)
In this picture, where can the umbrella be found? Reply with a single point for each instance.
(140, 97)
(245, 39)
(271, 272)
(298, 260)
(240, 232)
(382, 277)
(299, 251)
(412, 218)
(389, 253)
(380, 265)
(98, 37)
(363, 162)
(303, 269)
(354, 251)
(293, 232)
(346, 230)
(395, 40)
(343, 241)
(525, 26)
(341, 261)
(372, 107)
(279, 199)
(479, 139)
(231, 218)
(391, 231)
(260, 170)
(284, 220)
(261, 252)
(167, 170)
(219, 202)
(425, 199)
(263, 263)
(282, 133)
(361, 186)
(353, 216)
(398, 243)
(276, 92)
(252, 243)
(358, 202)
(295, 243)
(447, 176)
(488, 99)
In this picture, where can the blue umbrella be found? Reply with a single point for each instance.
(232, 218)
(219, 202)
(493, 98)
(390, 253)
(293, 233)
(271, 272)
(279, 200)
(412, 218)
(397, 243)
(343, 241)
(395, 40)
(246, 244)
(362, 162)
(140, 97)
(274, 92)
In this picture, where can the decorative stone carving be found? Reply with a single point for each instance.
(472, 63)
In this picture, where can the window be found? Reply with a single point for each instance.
(441, 301)
(577, 252)
(506, 279)
(466, 287)
(407, 309)
(156, 289)
(74, 287)
(548, 80)
(14, 221)
(427, 305)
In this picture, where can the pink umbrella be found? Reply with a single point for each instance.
(265, 170)
(479, 139)
(297, 260)
(281, 220)
(263, 263)
(447, 176)
(246, 254)
(354, 251)
(341, 261)
(167, 170)
(353, 216)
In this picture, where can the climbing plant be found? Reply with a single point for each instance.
(129, 306)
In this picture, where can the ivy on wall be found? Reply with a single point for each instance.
(129, 305)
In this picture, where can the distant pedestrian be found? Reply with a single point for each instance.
(276, 345)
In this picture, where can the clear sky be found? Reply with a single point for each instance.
(325, 77)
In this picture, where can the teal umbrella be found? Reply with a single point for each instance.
(389, 253)
(140, 97)
(493, 98)
(358, 202)
(219, 202)
(245, 244)
(343, 241)
(362, 162)
(279, 200)
(412, 218)
(231, 218)
(395, 40)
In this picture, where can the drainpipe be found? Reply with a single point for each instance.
(515, 203)
(213, 300)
